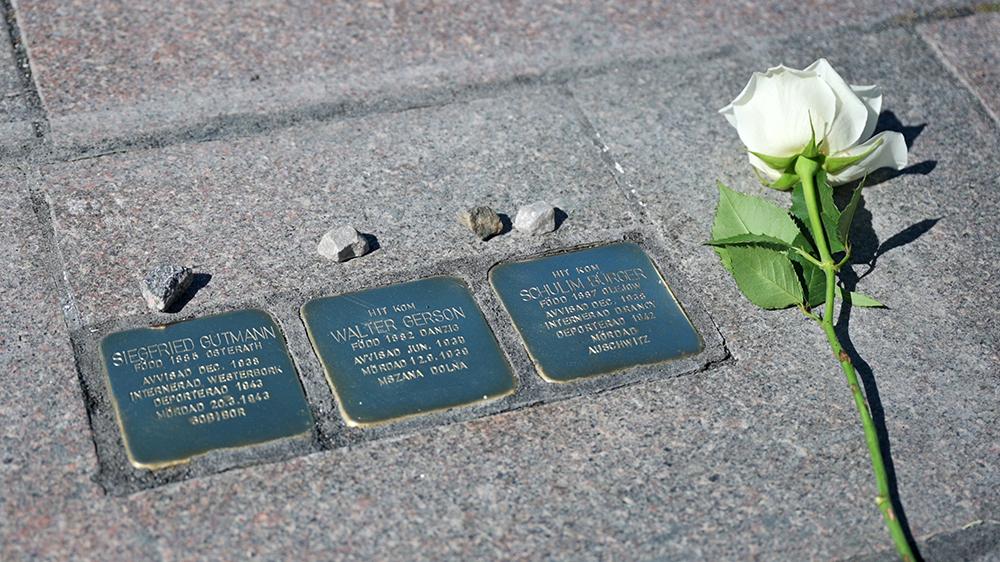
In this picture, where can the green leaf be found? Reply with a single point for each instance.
(743, 239)
(835, 164)
(765, 276)
(799, 209)
(739, 214)
(813, 281)
(860, 300)
(744, 214)
(829, 213)
(847, 217)
(803, 242)
(781, 163)
(727, 261)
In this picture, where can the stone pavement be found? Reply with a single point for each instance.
(230, 137)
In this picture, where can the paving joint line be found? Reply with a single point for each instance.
(56, 264)
(55, 267)
(608, 159)
(950, 67)
(39, 117)
(945, 13)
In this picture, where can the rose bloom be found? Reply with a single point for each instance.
(772, 117)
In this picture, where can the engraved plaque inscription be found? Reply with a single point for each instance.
(406, 349)
(593, 311)
(216, 382)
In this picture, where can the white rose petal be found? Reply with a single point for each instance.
(890, 154)
(851, 113)
(871, 96)
(773, 113)
(774, 120)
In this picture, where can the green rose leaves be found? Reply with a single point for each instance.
(769, 251)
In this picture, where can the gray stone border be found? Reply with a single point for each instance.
(118, 477)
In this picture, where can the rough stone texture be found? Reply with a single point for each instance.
(760, 457)
(49, 506)
(169, 64)
(264, 201)
(933, 354)
(536, 218)
(16, 114)
(164, 285)
(969, 45)
(484, 222)
(343, 243)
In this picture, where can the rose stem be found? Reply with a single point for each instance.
(806, 170)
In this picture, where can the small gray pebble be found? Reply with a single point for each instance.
(536, 218)
(165, 284)
(483, 221)
(343, 243)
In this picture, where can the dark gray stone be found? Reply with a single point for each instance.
(343, 243)
(536, 218)
(484, 222)
(165, 284)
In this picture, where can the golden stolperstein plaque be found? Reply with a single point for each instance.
(594, 311)
(216, 382)
(406, 349)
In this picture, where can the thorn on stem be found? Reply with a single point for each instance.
(883, 503)
(843, 357)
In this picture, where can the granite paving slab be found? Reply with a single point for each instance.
(928, 233)
(734, 465)
(249, 212)
(109, 70)
(969, 46)
(49, 506)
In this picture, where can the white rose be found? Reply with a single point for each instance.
(772, 116)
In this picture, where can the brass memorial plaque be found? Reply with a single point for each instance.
(216, 382)
(594, 311)
(406, 349)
